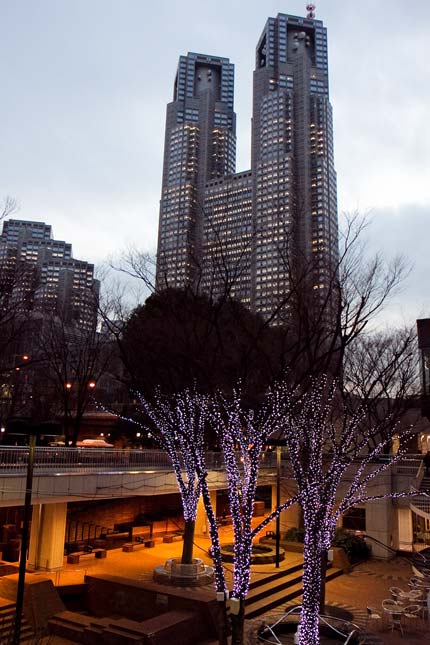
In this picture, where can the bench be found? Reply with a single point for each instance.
(148, 542)
(128, 547)
(74, 558)
(173, 537)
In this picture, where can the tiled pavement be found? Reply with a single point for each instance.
(367, 585)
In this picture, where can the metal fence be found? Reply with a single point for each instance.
(13, 461)
(49, 461)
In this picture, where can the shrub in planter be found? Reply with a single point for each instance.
(354, 545)
(295, 535)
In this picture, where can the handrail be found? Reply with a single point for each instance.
(324, 618)
(370, 537)
(13, 460)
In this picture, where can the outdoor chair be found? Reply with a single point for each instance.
(373, 615)
(412, 613)
(420, 573)
(394, 611)
(419, 583)
(415, 593)
(396, 592)
(389, 603)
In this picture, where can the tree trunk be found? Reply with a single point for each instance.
(324, 559)
(312, 554)
(220, 585)
(237, 623)
(187, 548)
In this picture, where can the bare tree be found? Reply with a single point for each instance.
(69, 364)
(8, 206)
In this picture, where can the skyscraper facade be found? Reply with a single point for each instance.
(253, 231)
(200, 145)
(294, 197)
(228, 238)
(43, 274)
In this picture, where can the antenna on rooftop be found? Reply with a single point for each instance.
(310, 8)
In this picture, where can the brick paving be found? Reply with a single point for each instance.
(366, 585)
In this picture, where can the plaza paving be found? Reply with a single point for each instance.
(367, 584)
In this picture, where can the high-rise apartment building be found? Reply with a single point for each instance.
(43, 274)
(253, 230)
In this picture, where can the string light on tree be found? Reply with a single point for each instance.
(335, 456)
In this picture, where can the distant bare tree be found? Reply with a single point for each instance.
(8, 206)
(69, 364)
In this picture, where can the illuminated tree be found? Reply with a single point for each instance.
(243, 434)
(335, 461)
(178, 423)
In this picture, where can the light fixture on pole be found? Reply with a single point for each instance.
(32, 430)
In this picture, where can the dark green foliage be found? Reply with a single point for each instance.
(354, 546)
(179, 340)
(295, 535)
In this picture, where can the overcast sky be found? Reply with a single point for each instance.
(85, 85)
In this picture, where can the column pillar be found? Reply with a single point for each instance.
(379, 518)
(404, 527)
(48, 530)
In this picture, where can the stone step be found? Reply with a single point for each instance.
(278, 595)
(7, 621)
(265, 590)
(277, 575)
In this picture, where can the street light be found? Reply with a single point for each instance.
(32, 430)
(278, 443)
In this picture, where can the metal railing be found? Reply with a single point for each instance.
(408, 466)
(13, 461)
(49, 461)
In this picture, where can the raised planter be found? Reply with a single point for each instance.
(292, 547)
(261, 553)
(175, 573)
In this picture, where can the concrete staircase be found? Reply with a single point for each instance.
(279, 588)
(179, 627)
(420, 504)
(7, 619)
(425, 483)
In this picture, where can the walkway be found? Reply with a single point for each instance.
(367, 584)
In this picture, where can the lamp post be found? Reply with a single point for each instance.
(278, 503)
(278, 443)
(32, 430)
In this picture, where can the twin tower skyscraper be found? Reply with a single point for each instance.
(248, 234)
